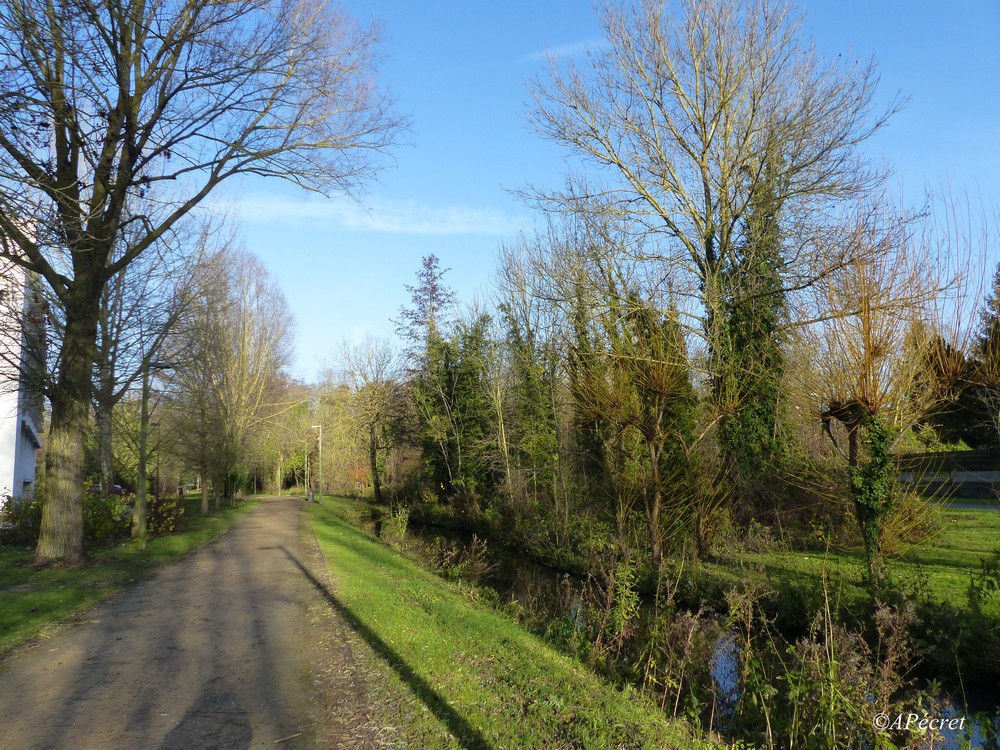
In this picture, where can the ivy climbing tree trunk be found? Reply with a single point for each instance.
(748, 360)
(873, 352)
(872, 479)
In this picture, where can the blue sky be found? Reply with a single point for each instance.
(459, 72)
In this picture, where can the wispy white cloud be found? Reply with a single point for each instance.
(565, 51)
(376, 215)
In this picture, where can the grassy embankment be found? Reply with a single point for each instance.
(476, 677)
(938, 568)
(957, 633)
(33, 599)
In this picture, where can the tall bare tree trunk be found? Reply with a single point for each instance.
(61, 535)
(140, 512)
(218, 487)
(203, 469)
(103, 417)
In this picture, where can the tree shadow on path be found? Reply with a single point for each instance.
(215, 718)
(468, 735)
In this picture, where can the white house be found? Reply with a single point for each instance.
(22, 324)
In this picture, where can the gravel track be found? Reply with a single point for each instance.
(230, 647)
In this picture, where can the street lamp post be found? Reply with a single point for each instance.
(320, 428)
(139, 516)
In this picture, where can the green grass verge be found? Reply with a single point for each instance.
(33, 599)
(480, 680)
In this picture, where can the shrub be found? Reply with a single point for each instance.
(21, 521)
(611, 604)
(106, 519)
(626, 600)
(164, 515)
(476, 560)
(677, 657)
(913, 520)
(442, 556)
(394, 526)
(466, 505)
(984, 584)
(457, 562)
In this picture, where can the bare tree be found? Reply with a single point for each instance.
(192, 347)
(691, 113)
(272, 446)
(229, 355)
(876, 347)
(689, 106)
(372, 368)
(346, 459)
(99, 101)
(139, 307)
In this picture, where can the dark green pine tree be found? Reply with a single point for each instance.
(987, 347)
(972, 412)
(947, 369)
(424, 325)
(533, 425)
(473, 417)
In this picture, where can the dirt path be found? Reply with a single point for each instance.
(230, 647)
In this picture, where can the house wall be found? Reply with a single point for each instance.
(9, 438)
(25, 456)
(20, 410)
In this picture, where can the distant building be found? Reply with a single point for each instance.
(22, 346)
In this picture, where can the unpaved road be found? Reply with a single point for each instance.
(230, 647)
